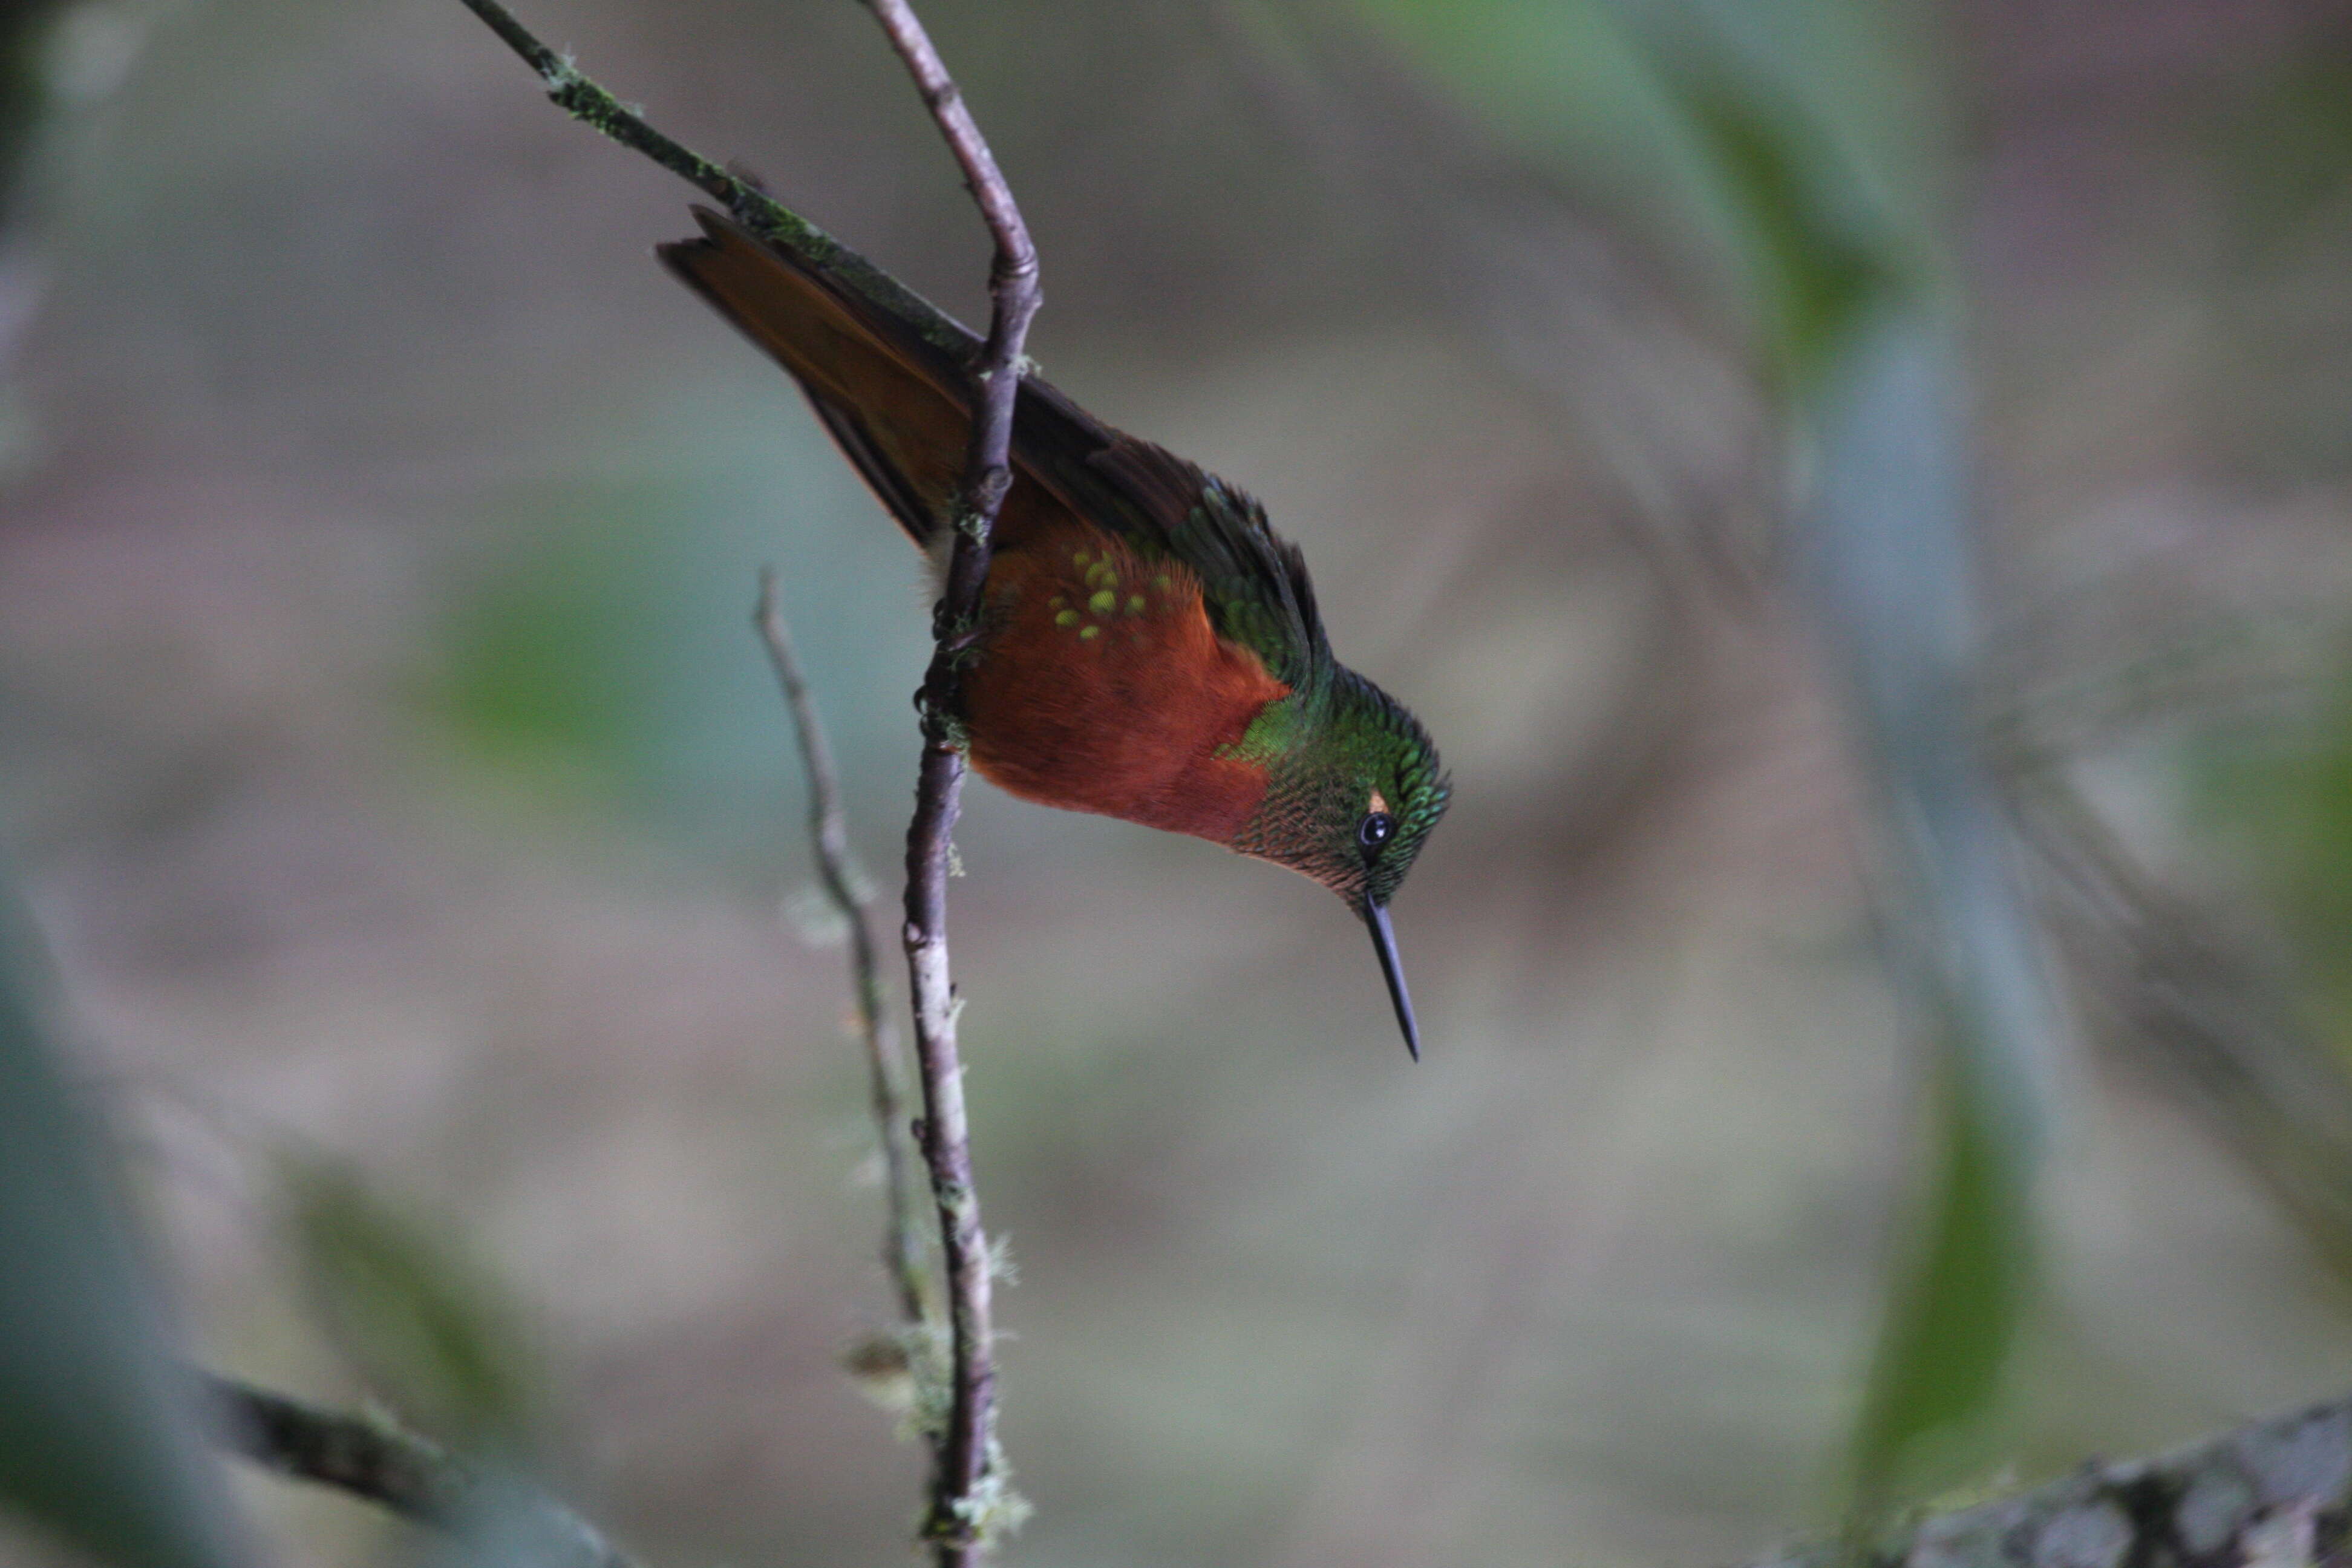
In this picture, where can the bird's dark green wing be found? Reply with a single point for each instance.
(1254, 580)
(897, 402)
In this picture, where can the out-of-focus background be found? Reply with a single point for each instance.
(404, 797)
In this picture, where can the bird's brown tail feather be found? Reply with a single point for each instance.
(893, 402)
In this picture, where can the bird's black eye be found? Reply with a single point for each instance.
(1375, 831)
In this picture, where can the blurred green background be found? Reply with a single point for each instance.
(412, 818)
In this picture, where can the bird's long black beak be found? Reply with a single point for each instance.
(1385, 944)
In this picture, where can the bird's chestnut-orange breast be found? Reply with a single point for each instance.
(1099, 685)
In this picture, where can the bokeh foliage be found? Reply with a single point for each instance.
(1759, 132)
(98, 1441)
(1147, 1178)
(424, 1325)
(1887, 540)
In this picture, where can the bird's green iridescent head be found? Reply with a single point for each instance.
(1353, 787)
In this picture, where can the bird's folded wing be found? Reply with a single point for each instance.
(898, 405)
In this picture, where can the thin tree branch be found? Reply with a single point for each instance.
(373, 1459)
(902, 1244)
(970, 1500)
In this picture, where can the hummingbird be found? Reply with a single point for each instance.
(1148, 648)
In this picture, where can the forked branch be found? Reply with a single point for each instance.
(970, 1500)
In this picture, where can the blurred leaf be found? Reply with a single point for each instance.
(1656, 109)
(97, 1441)
(1952, 1317)
(1889, 540)
(1815, 261)
(1888, 548)
(553, 664)
(417, 1321)
(1815, 254)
